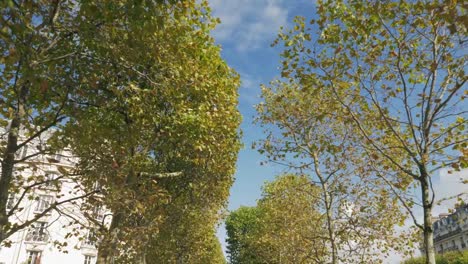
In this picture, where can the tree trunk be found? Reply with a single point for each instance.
(327, 199)
(7, 174)
(8, 160)
(428, 230)
(106, 253)
(331, 228)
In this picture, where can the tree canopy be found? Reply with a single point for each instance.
(138, 92)
(284, 227)
(397, 71)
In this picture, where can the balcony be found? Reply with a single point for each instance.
(37, 237)
(443, 235)
(451, 248)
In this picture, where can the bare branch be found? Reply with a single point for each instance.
(15, 228)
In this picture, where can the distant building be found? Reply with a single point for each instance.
(38, 243)
(451, 231)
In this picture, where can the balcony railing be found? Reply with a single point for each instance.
(37, 237)
(440, 236)
(451, 248)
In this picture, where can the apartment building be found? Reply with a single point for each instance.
(451, 231)
(62, 235)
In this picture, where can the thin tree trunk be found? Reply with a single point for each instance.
(328, 205)
(107, 252)
(7, 174)
(428, 230)
(8, 161)
(330, 227)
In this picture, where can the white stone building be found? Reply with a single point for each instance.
(62, 235)
(451, 231)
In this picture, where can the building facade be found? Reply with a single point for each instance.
(451, 231)
(62, 235)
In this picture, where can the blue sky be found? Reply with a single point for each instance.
(247, 29)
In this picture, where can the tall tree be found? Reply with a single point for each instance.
(306, 133)
(397, 68)
(241, 225)
(284, 227)
(291, 227)
(137, 90)
(161, 121)
(39, 53)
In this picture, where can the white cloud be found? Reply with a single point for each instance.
(249, 92)
(450, 184)
(249, 23)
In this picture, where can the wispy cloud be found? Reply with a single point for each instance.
(248, 24)
(249, 90)
(450, 184)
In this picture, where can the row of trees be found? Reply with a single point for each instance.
(284, 227)
(371, 104)
(138, 92)
(288, 225)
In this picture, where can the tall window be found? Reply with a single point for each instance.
(43, 203)
(37, 233)
(34, 257)
(90, 239)
(98, 212)
(22, 153)
(58, 156)
(54, 158)
(50, 179)
(88, 259)
(11, 201)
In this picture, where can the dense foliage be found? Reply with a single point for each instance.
(284, 227)
(139, 93)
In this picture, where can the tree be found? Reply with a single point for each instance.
(164, 119)
(39, 51)
(284, 227)
(305, 134)
(291, 227)
(137, 91)
(397, 71)
(241, 224)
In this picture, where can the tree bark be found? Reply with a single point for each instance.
(330, 226)
(107, 252)
(428, 230)
(8, 160)
(328, 204)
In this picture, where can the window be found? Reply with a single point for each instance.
(88, 259)
(96, 186)
(98, 212)
(43, 203)
(90, 239)
(21, 154)
(34, 257)
(11, 201)
(37, 233)
(58, 157)
(50, 179)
